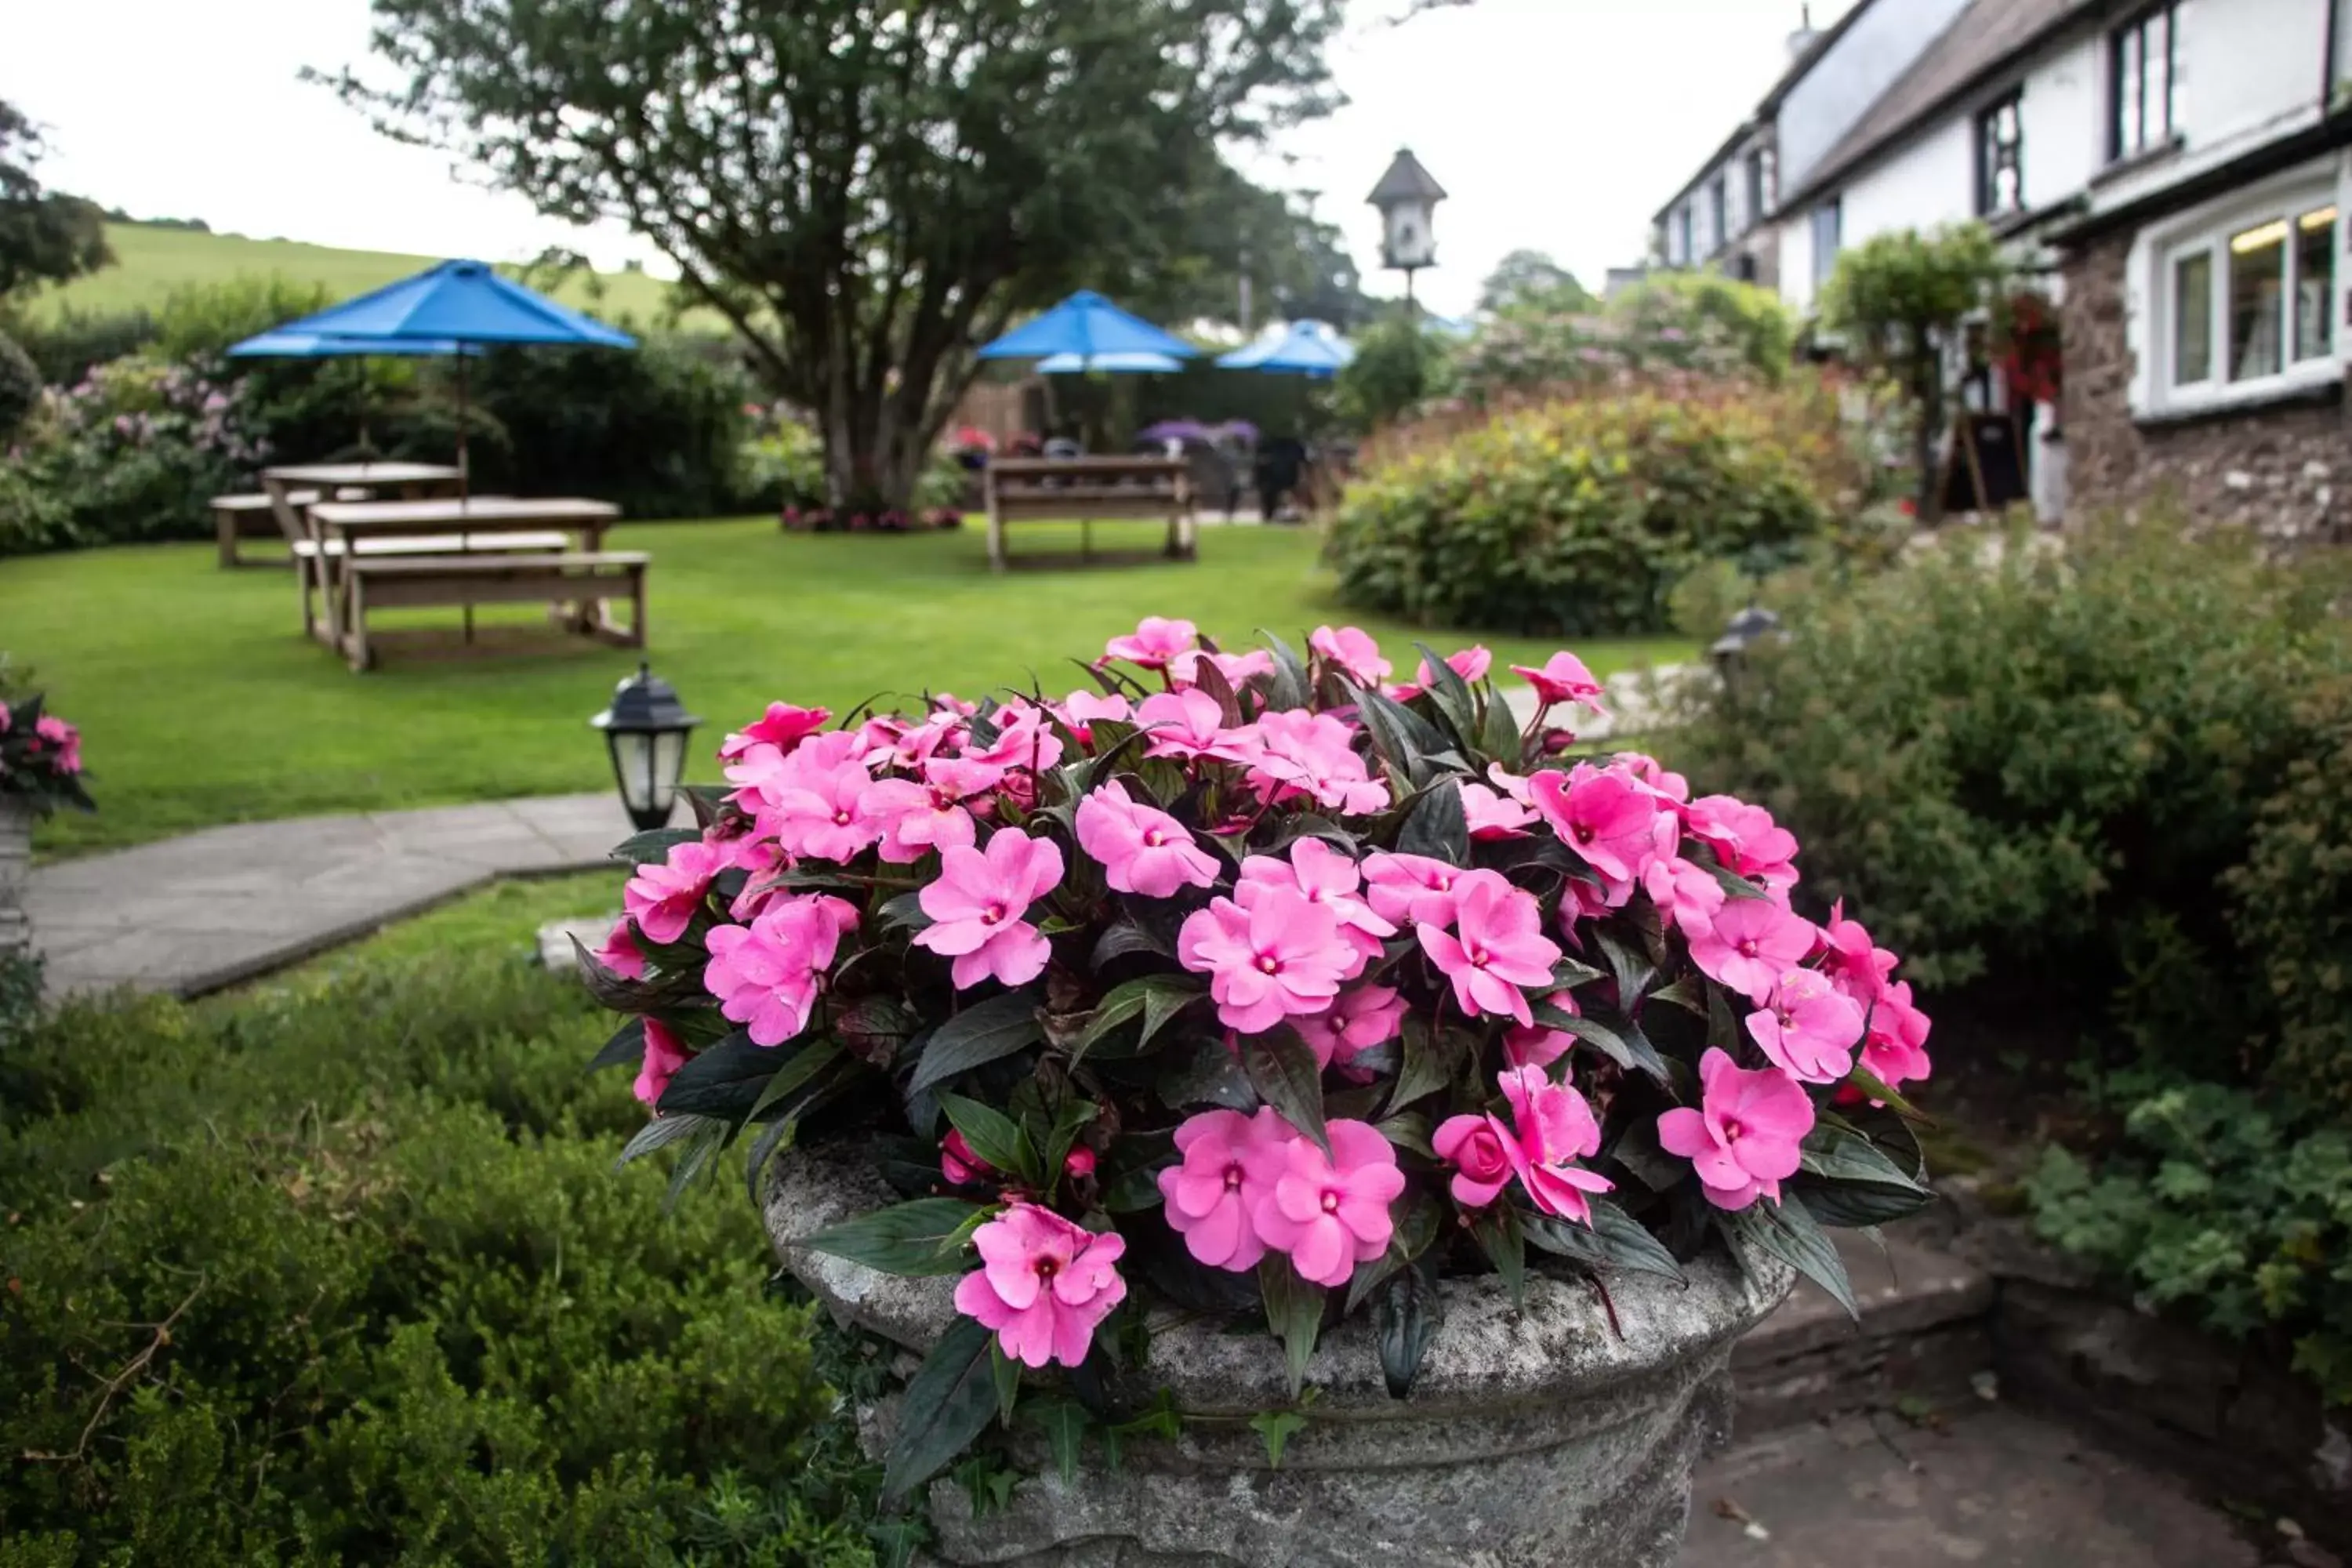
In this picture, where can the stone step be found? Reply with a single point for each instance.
(1923, 1336)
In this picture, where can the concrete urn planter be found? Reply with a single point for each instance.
(1534, 1437)
(16, 870)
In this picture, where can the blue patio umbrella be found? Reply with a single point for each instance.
(1130, 362)
(1308, 348)
(461, 303)
(1090, 326)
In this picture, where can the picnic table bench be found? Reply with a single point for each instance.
(387, 554)
(1088, 490)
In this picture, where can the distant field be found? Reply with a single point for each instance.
(152, 262)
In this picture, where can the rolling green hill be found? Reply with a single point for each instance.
(151, 262)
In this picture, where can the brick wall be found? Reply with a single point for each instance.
(2285, 470)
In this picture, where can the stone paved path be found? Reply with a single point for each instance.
(193, 914)
(1637, 700)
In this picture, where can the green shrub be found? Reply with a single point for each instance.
(2220, 1211)
(20, 388)
(68, 345)
(1397, 364)
(355, 1250)
(1684, 323)
(2038, 767)
(201, 320)
(1578, 517)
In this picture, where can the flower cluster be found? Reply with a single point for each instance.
(1260, 973)
(41, 757)
(798, 519)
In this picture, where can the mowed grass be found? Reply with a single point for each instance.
(201, 703)
(152, 262)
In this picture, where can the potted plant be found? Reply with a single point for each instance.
(40, 769)
(1297, 1117)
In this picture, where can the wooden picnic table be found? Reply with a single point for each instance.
(343, 527)
(408, 480)
(1089, 490)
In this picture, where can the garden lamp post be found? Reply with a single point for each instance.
(1729, 652)
(1407, 197)
(645, 729)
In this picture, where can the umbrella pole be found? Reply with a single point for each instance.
(465, 470)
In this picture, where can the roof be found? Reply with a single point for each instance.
(1984, 40)
(1406, 181)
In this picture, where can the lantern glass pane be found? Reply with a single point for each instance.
(632, 756)
(666, 763)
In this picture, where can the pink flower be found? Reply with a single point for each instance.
(1493, 816)
(1563, 679)
(1080, 710)
(958, 1164)
(664, 1054)
(1687, 895)
(1279, 957)
(1853, 962)
(64, 737)
(1142, 848)
(1896, 1051)
(1496, 946)
(807, 801)
(1185, 724)
(1356, 1021)
(1183, 670)
(1352, 649)
(1230, 1164)
(911, 819)
(1602, 813)
(664, 899)
(1552, 1127)
(1534, 1046)
(1749, 943)
(1331, 1213)
(1745, 838)
(979, 904)
(1321, 874)
(1045, 1285)
(621, 954)
(1153, 643)
(1810, 1029)
(783, 726)
(1413, 887)
(1470, 663)
(1477, 1148)
(1313, 755)
(888, 741)
(1024, 739)
(1745, 1137)
(765, 975)
(1651, 771)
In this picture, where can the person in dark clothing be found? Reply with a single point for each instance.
(1280, 463)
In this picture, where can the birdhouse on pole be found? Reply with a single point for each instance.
(1407, 197)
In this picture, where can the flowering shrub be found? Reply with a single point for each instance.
(821, 519)
(1254, 983)
(1694, 323)
(40, 758)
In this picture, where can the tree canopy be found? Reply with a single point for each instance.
(46, 237)
(867, 189)
(1533, 277)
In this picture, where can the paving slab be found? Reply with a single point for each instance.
(195, 913)
(1638, 702)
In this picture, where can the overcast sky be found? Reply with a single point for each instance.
(1556, 124)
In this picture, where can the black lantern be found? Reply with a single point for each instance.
(645, 729)
(1749, 626)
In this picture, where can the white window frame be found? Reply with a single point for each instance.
(2156, 312)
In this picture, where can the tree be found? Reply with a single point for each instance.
(1532, 278)
(867, 189)
(45, 236)
(1399, 365)
(1901, 301)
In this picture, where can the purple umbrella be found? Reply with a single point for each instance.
(1176, 430)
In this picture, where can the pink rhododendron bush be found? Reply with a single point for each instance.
(1258, 984)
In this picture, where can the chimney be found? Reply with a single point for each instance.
(1801, 40)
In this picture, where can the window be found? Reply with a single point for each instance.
(2254, 301)
(1757, 205)
(1718, 212)
(1686, 252)
(2143, 69)
(2001, 157)
(1828, 226)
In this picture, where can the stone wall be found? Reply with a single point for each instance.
(2285, 469)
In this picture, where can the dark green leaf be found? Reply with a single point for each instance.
(948, 1403)
(1437, 828)
(1838, 1153)
(1007, 1372)
(1415, 1218)
(699, 1152)
(983, 1032)
(795, 1074)
(1278, 1427)
(1856, 1207)
(1205, 1075)
(994, 1136)
(664, 1130)
(1615, 1239)
(1862, 1078)
(875, 1028)
(1406, 741)
(1451, 696)
(1689, 994)
(1065, 1423)
(1124, 938)
(1294, 1310)
(915, 1239)
(1408, 1320)
(626, 1049)
(1569, 973)
(1211, 681)
(1790, 1233)
(772, 1137)
(1288, 689)
(904, 912)
(1624, 1045)
(1732, 882)
(654, 844)
(1409, 1130)
(1499, 1237)
(1155, 998)
(1283, 1070)
(1722, 1026)
(1430, 1059)
(726, 1079)
(1632, 969)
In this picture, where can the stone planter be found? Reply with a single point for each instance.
(1534, 1437)
(15, 870)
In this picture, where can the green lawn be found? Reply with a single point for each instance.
(201, 703)
(152, 262)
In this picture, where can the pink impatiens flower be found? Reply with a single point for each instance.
(1603, 814)
(1153, 643)
(979, 904)
(1184, 669)
(807, 801)
(1563, 679)
(621, 954)
(1745, 838)
(1496, 946)
(1533, 1044)
(1554, 1127)
(63, 738)
(1477, 1148)
(1745, 1138)
(1321, 874)
(1470, 663)
(1330, 1211)
(1749, 943)
(960, 1164)
(909, 819)
(1414, 888)
(1080, 710)
(1897, 1048)
(1356, 1021)
(765, 975)
(1045, 1285)
(1185, 724)
(1854, 965)
(1142, 848)
(1352, 649)
(1279, 957)
(664, 1054)
(1687, 895)
(1313, 755)
(1024, 739)
(1230, 1164)
(664, 899)
(1493, 816)
(1810, 1029)
(783, 726)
